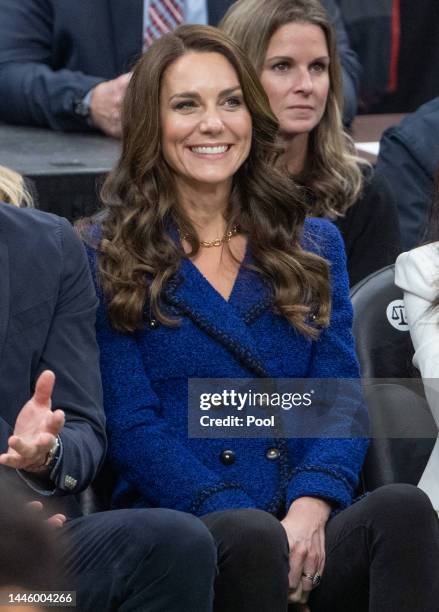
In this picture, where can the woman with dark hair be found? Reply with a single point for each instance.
(292, 45)
(417, 273)
(208, 268)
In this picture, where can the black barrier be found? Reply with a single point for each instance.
(66, 168)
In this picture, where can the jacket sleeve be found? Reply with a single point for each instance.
(350, 65)
(330, 466)
(416, 272)
(32, 91)
(71, 352)
(412, 184)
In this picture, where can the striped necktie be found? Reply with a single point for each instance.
(163, 16)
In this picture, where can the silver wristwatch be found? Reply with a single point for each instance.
(52, 455)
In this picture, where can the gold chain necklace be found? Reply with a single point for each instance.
(214, 243)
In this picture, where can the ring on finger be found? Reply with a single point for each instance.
(314, 578)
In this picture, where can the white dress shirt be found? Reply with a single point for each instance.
(417, 273)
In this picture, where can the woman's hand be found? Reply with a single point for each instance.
(305, 527)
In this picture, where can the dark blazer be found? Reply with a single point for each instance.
(52, 52)
(409, 159)
(47, 314)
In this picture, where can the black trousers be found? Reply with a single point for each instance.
(382, 555)
(152, 560)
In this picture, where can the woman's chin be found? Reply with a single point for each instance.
(289, 129)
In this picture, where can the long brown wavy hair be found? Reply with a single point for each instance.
(332, 174)
(138, 254)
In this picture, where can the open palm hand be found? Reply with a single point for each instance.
(35, 429)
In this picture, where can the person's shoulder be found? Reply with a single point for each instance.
(37, 234)
(417, 271)
(414, 139)
(31, 224)
(322, 237)
(14, 216)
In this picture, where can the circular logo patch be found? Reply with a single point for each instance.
(396, 315)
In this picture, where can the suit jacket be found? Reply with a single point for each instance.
(52, 52)
(416, 273)
(145, 381)
(409, 158)
(47, 314)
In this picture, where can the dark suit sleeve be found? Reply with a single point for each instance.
(411, 182)
(350, 64)
(32, 90)
(71, 352)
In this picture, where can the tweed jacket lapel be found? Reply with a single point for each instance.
(4, 291)
(127, 25)
(226, 321)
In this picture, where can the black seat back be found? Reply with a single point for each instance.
(382, 337)
(385, 351)
(97, 496)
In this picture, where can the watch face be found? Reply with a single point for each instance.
(53, 454)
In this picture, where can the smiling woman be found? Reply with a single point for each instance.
(206, 268)
(198, 159)
(206, 132)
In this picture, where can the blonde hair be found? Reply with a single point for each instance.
(332, 172)
(13, 189)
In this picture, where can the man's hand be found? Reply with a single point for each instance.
(35, 429)
(305, 526)
(106, 104)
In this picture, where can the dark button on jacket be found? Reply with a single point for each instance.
(228, 457)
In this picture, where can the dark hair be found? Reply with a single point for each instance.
(136, 249)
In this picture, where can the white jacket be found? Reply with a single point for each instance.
(417, 273)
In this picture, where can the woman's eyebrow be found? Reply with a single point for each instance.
(185, 94)
(279, 58)
(289, 58)
(196, 95)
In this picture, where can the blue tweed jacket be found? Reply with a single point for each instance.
(145, 379)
